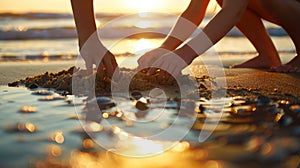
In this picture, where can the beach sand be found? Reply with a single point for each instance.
(254, 130)
(266, 82)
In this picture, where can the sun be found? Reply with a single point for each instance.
(143, 6)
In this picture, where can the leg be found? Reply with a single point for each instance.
(252, 27)
(286, 14)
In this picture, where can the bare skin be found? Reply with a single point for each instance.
(91, 48)
(287, 14)
(250, 24)
(186, 24)
(252, 27)
(284, 14)
(230, 14)
(217, 28)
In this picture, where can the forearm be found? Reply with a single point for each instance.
(218, 27)
(186, 24)
(83, 12)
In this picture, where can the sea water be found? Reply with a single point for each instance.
(31, 36)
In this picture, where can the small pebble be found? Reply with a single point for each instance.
(103, 102)
(63, 93)
(13, 84)
(23, 127)
(51, 98)
(283, 102)
(27, 127)
(88, 143)
(42, 93)
(141, 106)
(28, 109)
(33, 86)
(263, 100)
(295, 108)
(57, 137)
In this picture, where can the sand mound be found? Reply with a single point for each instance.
(75, 81)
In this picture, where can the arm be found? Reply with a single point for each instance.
(217, 28)
(184, 27)
(186, 24)
(226, 19)
(83, 12)
(91, 49)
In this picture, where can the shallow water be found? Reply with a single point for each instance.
(49, 118)
(40, 131)
(244, 132)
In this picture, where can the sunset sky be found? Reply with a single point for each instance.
(112, 6)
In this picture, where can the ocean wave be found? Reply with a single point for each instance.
(27, 34)
(42, 15)
(37, 57)
(23, 33)
(51, 57)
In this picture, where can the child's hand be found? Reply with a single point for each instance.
(174, 62)
(94, 53)
(170, 62)
(108, 65)
(150, 57)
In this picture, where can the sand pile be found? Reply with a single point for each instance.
(74, 80)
